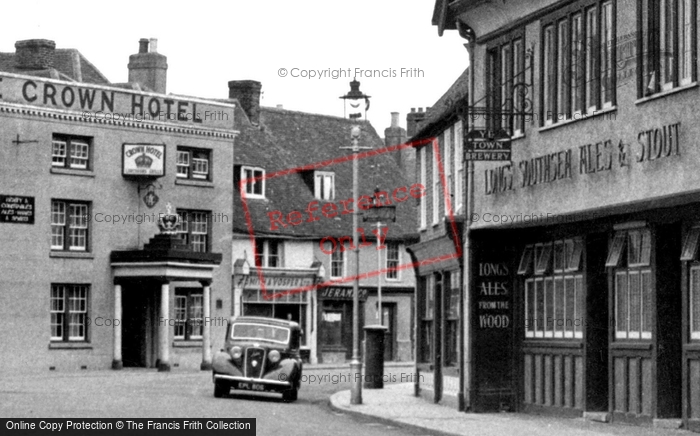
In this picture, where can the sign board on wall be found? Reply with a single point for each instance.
(16, 209)
(143, 160)
(493, 329)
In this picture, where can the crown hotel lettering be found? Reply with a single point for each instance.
(108, 101)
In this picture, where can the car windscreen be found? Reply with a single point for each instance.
(260, 332)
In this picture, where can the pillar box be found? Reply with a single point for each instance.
(374, 357)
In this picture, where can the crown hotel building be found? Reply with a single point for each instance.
(583, 281)
(86, 168)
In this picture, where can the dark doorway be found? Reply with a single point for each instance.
(389, 321)
(139, 329)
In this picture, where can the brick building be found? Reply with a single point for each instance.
(86, 167)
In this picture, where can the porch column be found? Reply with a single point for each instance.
(117, 327)
(163, 330)
(206, 330)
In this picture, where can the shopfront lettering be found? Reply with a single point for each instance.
(546, 169)
(595, 157)
(274, 283)
(493, 269)
(658, 143)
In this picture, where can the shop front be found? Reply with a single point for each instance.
(276, 301)
(335, 321)
(438, 314)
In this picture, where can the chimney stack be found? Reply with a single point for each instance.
(34, 54)
(414, 121)
(247, 92)
(405, 158)
(149, 68)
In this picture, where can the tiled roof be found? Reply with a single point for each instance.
(64, 67)
(445, 107)
(288, 139)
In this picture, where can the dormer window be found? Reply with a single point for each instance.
(193, 163)
(324, 185)
(254, 180)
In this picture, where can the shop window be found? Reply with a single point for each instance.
(452, 278)
(193, 229)
(69, 225)
(71, 152)
(189, 314)
(268, 253)
(332, 328)
(393, 259)
(427, 316)
(324, 185)
(578, 65)
(630, 257)
(193, 163)
(553, 289)
(69, 311)
(690, 248)
(668, 45)
(254, 179)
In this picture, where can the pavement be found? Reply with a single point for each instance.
(397, 404)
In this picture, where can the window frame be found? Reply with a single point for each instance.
(67, 225)
(654, 75)
(68, 141)
(189, 231)
(253, 181)
(435, 183)
(501, 60)
(65, 311)
(392, 264)
(191, 174)
(319, 183)
(459, 167)
(623, 263)
(567, 90)
(263, 253)
(190, 322)
(338, 252)
(423, 209)
(553, 291)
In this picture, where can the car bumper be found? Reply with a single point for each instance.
(254, 384)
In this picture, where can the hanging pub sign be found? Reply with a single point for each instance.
(16, 209)
(487, 145)
(143, 160)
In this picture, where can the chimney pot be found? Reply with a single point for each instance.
(247, 92)
(413, 109)
(143, 45)
(154, 45)
(279, 106)
(394, 119)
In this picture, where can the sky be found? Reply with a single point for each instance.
(390, 46)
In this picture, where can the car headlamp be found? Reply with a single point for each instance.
(236, 352)
(274, 356)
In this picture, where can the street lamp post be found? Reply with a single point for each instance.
(354, 99)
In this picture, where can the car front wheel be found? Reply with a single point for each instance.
(291, 395)
(221, 388)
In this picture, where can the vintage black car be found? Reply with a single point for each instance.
(260, 354)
